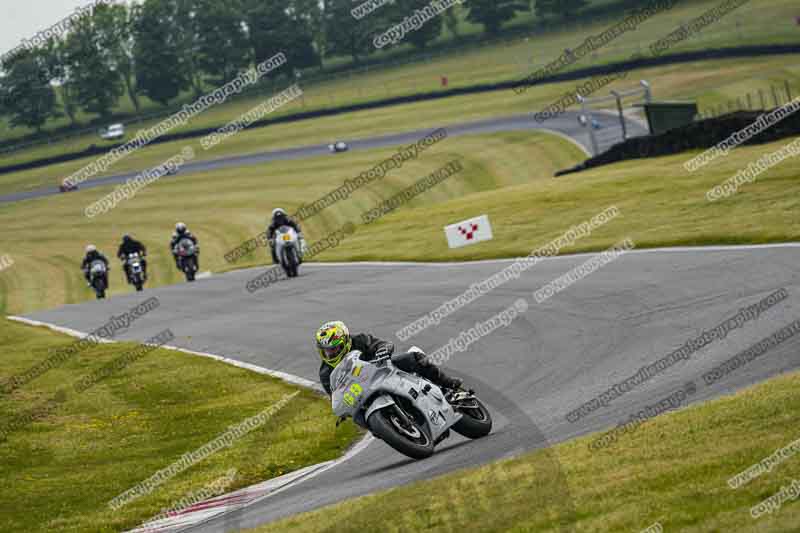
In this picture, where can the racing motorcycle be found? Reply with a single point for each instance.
(98, 278)
(187, 257)
(287, 249)
(135, 271)
(408, 412)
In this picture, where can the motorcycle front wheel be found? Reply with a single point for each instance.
(189, 269)
(411, 439)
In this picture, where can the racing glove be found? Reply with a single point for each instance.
(385, 350)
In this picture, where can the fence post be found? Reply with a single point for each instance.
(749, 102)
(775, 95)
(621, 115)
(763, 102)
(788, 90)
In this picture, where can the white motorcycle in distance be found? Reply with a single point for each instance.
(408, 412)
(187, 257)
(287, 250)
(135, 271)
(98, 278)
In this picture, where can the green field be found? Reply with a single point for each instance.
(60, 471)
(753, 23)
(672, 470)
(508, 176)
(710, 83)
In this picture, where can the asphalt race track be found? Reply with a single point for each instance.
(557, 356)
(567, 124)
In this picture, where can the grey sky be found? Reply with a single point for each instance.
(22, 19)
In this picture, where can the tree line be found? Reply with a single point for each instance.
(162, 48)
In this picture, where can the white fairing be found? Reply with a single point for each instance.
(134, 261)
(97, 268)
(286, 235)
(361, 387)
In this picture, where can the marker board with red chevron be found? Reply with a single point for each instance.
(468, 232)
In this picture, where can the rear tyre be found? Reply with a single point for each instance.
(413, 441)
(476, 422)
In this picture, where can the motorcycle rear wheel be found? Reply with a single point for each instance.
(415, 442)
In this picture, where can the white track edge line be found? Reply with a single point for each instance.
(284, 376)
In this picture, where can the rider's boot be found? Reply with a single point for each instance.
(434, 373)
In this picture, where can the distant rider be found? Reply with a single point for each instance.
(182, 233)
(334, 342)
(92, 255)
(280, 218)
(131, 246)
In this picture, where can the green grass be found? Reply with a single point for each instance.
(753, 23)
(60, 472)
(673, 470)
(507, 176)
(710, 83)
(46, 237)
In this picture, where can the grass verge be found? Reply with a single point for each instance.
(507, 176)
(60, 471)
(673, 471)
(708, 82)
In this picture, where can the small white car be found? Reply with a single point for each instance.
(338, 146)
(113, 132)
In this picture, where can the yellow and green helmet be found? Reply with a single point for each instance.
(333, 342)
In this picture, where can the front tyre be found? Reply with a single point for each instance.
(411, 439)
(476, 421)
(294, 262)
(189, 268)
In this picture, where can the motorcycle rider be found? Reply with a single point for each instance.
(92, 255)
(131, 246)
(334, 342)
(280, 218)
(182, 233)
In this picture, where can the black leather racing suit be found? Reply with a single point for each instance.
(87, 262)
(277, 222)
(131, 247)
(176, 238)
(415, 362)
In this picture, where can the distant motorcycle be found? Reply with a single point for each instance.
(98, 278)
(287, 249)
(338, 147)
(135, 271)
(408, 412)
(187, 252)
